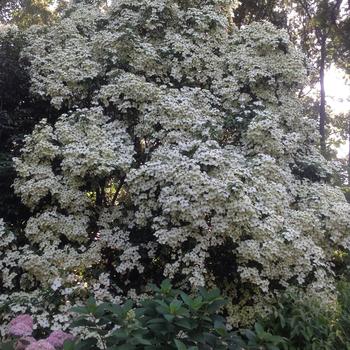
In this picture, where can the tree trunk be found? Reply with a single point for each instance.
(348, 153)
(322, 107)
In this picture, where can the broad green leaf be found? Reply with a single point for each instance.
(180, 345)
(166, 286)
(258, 329)
(82, 322)
(169, 317)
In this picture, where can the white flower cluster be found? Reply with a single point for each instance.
(193, 160)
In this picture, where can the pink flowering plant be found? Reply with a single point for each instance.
(20, 336)
(21, 326)
(57, 338)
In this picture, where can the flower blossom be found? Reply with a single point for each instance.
(57, 338)
(21, 326)
(40, 345)
(24, 342)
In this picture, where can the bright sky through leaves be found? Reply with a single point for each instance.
(338, 97)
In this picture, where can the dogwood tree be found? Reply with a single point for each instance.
(182, 152)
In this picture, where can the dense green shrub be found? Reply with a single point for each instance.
(169, 320)
(309, 325)
(304, 322)
(342, 339)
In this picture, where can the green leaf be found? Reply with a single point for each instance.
(169, 317)
(158, 328)
(128, 305)
(104, 320)
(80, 309)
(68, 345)
(82, 322)
(90, 343)
(91, 305)
(126, 347)
(142, 341)
(180, 345)
(166, 286)
(212, 294)
(197, 303)
(272, 347)
(119, 334)
(187, 300)
(250, 335)
(258, 329)
(7, 346)
(216, 305)
(155, 320)
(185, 323)
(174, 306)
(101, 310)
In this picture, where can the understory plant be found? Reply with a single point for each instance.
(171, 319)
(307, 324)
(20, 336)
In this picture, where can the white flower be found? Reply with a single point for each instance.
(184, 152)
(57, 283)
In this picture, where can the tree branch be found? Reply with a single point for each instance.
(121, 183)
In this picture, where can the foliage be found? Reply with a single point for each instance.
(342, 332)
(274, 11)
(19, 112)
(307, 324)
(341, 54)
(319, 28)
(25, 13)
(171, 319)
(304, 322)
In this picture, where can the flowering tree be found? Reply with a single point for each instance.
(182, 151)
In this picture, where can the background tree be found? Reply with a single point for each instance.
(19, 112)
(25, 13)
(319, 28)
(274, 11)
(341, 53)
(320, 20)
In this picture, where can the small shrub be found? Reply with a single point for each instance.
(310, 326)
(169, 320)
(19, 334)
(304, 323)
(342, 331)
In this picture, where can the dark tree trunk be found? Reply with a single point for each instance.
(322, 106)
(348, 153)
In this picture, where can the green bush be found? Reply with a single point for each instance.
(169, 320)
(342, 329)
(308, 325)
(305, 324)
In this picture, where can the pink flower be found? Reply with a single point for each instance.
(22, 343)
(57, 338)
(40, 345)
(21, 326)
